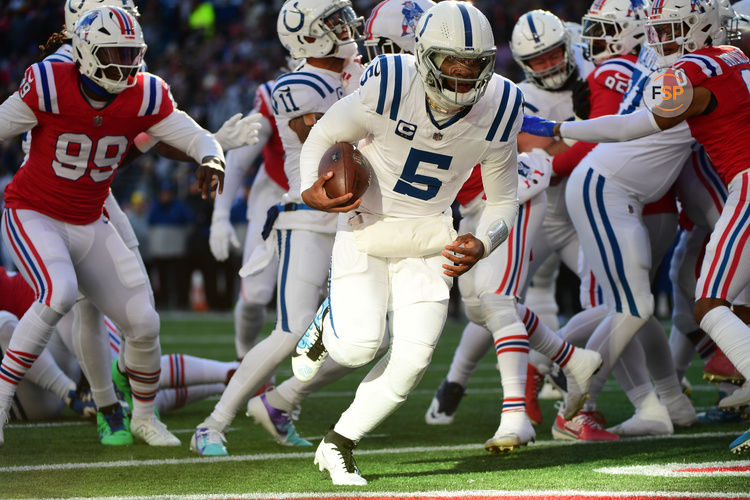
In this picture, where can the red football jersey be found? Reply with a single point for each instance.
(16, 296)
(273, 151)
(724, 132)
(75, 149)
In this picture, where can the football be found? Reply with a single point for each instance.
(351, 171)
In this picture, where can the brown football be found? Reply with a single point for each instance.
(351, 171)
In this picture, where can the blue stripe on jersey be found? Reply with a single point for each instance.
(59, 57)
(310, 75)
(530, 20)
(396, 89)
(45, 88)
(630, 67)
(713, 178)
(710, 64)
(468, 35)
(531, 107)
(598, 237)
(310, 84)
(151, 95)
(383, 84)
(500, 112)
(268, 88)
(637, 91)
(284, 274)
(512, 119)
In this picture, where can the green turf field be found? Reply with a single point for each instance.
(64, 459)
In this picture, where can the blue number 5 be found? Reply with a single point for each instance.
(409, 175)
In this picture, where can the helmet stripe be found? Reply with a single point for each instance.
(368, 24)
(530, 20)
(468, 35)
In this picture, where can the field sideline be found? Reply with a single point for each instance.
(403, 459)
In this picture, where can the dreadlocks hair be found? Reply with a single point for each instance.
(53, 43)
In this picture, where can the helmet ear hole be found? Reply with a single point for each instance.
(312, 28)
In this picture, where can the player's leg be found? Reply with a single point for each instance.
(177, 397)
(723, 276)
(540, 294)
(182, 370)
(39, 249)
(111, 277)
(303, 269)
(257, 289)
(596, 208)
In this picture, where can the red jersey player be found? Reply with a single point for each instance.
(83, 117)
(718, 114)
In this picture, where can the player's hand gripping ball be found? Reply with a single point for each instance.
(351, 171)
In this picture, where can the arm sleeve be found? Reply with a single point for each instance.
(16, 117)
(612, 128)
(181, 131)
(238, 162)
(500, 179)
(345, 121)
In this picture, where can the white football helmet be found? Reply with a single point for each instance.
(75, 9)
(310, 28)
(614, 27)
(457, 30)
(108, 48)
(536, 33)
(390, 27)
(676, 27)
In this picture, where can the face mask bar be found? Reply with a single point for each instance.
(599, 30)
(340, 20)
(119, 64)
(554, 76)
(660, 34)
(378, 46)
(486, 62)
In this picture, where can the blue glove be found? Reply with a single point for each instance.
(536, 125)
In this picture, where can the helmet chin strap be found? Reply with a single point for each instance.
(96, 89)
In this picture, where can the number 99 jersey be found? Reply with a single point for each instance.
(420, 163)
(75, 149)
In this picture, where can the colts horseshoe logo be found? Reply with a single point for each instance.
(294, 29)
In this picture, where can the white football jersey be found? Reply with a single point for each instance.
(420, 164)
(648, 166)
(306, 90)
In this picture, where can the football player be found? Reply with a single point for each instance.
(427, 121)
(717, 114)
(325, 34)
(233, 133)
(83, 118)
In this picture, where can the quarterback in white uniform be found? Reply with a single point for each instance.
(302, 235)
(423, 135)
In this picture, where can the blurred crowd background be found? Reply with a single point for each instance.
(213, 54)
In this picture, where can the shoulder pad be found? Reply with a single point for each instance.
(698, 67)
(301, 92)
(383, 83)
(154, 94)
(507, 100)
(39, 88)
(623, 68)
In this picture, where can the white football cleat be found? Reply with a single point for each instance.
(208, 442)
(334, 454)
(310, 352)
(650, 421)
(152, 431)
(738, 399)
(515, 431)
(682, 412)
(579, 371)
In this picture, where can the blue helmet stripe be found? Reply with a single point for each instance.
(468, 35)
(534, 33)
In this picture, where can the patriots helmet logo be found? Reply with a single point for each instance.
(412, 12)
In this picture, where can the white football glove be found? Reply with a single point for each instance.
(221, 235)
(534, 172)
(238, 131)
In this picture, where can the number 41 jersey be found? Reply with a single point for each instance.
(75, 148)
(419, 161)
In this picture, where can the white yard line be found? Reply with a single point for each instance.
(310, 454)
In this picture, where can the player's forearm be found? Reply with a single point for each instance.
(500, 182)
(15, 117)
(181, 131)
(345, 121)
(611, 128)
(239, 161)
